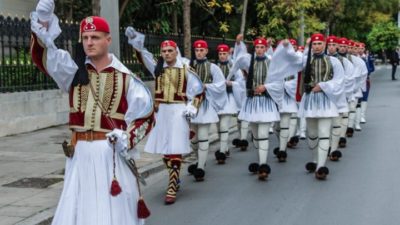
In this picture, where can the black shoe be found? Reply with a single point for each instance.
(220, 157)
(342, 142)
(199, 174)
(311, 167)
(263, 171)
(322, 173)
(281, 155)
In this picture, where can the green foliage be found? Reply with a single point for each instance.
(384, 36)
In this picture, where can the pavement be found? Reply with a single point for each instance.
(38, 154)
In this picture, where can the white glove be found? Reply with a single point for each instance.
(45, 9)
(130, 32)
(120, 139)
(136, 39)
(190, 111)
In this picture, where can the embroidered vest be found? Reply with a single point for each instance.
(171, 86)
(225, 70)
(111, 88)
(321, 70)
(260, 72)
(204, 71)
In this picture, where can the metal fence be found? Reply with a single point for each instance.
(18, 73)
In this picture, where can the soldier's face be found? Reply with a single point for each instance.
(96, 44)
(169, 54)
(318, 47)
(223, 56)
(260, 50)
(200, 53)
(342, 49)
(332, 48)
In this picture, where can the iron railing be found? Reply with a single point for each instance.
(18, 73)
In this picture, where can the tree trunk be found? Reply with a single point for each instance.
(123, 7)
(186, 28)
(70, 15)
(96, 7)
(175, 21)
(244, 13)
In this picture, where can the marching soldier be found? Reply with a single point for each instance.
(236, 91)
(110, 112)
(178, 94)
(215, 98)
(321, 85)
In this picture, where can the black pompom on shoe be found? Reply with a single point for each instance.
(264, 171)
(321, 173)
(335, 156)
(253, 167)
(235, 141)
(276, 150)
(199, 174)
(220, 157)
(282, 155)
(243, 145)
(191, 168)
(349, 132)
(342, 142)
(311, 167)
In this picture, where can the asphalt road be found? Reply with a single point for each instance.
(362, 188)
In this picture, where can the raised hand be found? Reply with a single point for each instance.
(45, 9)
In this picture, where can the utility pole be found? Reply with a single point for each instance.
(244, 13)
(109, 10)
(302, 28)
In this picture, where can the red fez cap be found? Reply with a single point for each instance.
(361, 45)
(293, 41)
(301, 47)
(223, 48)
(351, 43)
(343, 41)
(331, 39)
(260, 41)
(94, 23)
(200, 44)
(167, 43)
(317, 37)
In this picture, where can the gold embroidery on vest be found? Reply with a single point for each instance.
(171, 82)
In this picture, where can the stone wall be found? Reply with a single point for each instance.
(28, 111)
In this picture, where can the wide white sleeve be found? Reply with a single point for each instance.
(140, 102)
(284, 61)
(147, 57)
(242, 63)
(139, 116)
(334, 87)
(59, 63)
(194, 85)
(216, 91)
(239, 50)
(349, 78)
(239, 88)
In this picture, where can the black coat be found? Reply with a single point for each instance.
(394, 57)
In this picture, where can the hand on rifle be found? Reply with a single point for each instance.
(260, 89)
(316, 88)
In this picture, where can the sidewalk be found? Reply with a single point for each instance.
(39, 154)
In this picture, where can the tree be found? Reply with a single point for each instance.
(96, 7)
(384, 36)
(244, 14)
(186, 28)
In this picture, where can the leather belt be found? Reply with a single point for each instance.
(89, 135)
